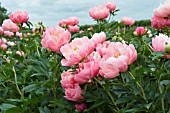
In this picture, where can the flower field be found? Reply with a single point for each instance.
(110, 67)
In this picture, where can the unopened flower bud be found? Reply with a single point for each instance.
(135, 33)
(167, 48)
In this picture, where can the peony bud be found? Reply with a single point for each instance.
(81, 107)
(135, 33)
(167, 48)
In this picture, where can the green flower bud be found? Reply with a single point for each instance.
(167, 48)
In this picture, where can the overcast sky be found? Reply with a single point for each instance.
(52, 11)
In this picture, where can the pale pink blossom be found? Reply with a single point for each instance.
(74, 94)
(19, 34)
(117, 58)
(8, 25)
(19, 17)
(73, 21)
(63, 22)
(3, 46)
(98, 38)
(75, 51)
(8, 33)
(140, 31)
(100, 12)
(110, 5)
(1, 41)
(127, 21)
(74, 28)
(8, 60)
(159, 42)
(70, 21)
(81, 31)
(20, 53)
(95, 55)
(1, 31)
(101, 48)
(67, 80)
(10, 43)
(86, 71)
(55, 37)
(90, 28)
(163, 10)
(81, 107)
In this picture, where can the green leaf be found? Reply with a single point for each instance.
(165, 82)
(157, 55)
(148, 105)
(123, 100)
(13, 110)
(15, 100)
(6, 106)
(29, 88)
(98, 103)
(44, 110)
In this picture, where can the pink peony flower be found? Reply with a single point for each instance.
(8, 33)
(8, 25)
(127, 21)
(55, 37)
(95, 56)
(90, 28)
(67, 80)
(100, 12)
(81, 107)
(63, 22)
(70, 21)
(1, 41)
(73, 28)
(74, 94)
(86, 70)
(19, 34)
(101, 48)
(117, 58)
(75, 51)
(163, 10)
(158, 22)
(73, 21)
(159, 42)
(81, 31)
(1, 31)
(10, 43)
(140, 31)
(98, 38)
(110, 5)
(3, 46)
(19, 17)
(20, 53)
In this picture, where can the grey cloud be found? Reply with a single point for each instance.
(52, 11)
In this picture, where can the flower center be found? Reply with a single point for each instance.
(56, 35)
(116, 56)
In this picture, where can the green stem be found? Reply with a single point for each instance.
(118, 31)
(122, 78)
(160, 91)
(99, 21)
(146, 45)
(162, 100)
(109, 18)
(37, 48)
(54, 86)
(19, 91)
(55, 70)
(107, 91)
(124, 31)
(143, 93)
